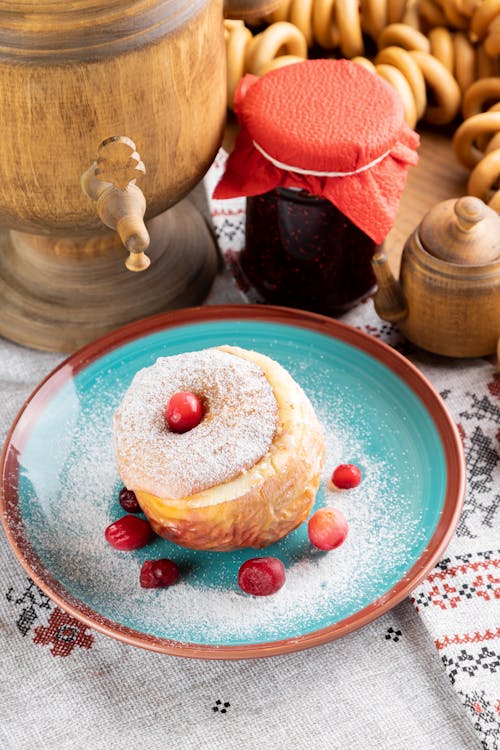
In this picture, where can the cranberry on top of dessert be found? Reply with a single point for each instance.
(184, 411)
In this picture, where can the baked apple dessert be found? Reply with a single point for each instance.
(221, 447)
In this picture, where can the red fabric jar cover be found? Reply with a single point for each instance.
(303, 122)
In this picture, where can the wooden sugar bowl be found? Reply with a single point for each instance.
(447, 298)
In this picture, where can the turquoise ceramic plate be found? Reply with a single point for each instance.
(60, 490)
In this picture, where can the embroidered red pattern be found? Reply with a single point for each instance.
(463, 568)
(477, 637)
(494, 386)
(228, 212)
(444, 597)
(64, 633)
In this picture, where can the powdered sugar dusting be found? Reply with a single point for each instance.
(236, 431)
(205, 606)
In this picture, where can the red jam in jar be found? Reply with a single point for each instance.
(301, 251)
(322, 157)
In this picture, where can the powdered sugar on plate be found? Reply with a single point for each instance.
(68, 515)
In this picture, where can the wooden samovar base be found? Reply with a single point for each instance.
(60, 294)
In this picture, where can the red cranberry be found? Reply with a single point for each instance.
(261, 576)
(346, 476)
(184, 411)
(128, 533)
(327, 528)
(128, 501)
(156, 574)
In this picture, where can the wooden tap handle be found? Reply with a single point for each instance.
(121, 205)
(118, 162)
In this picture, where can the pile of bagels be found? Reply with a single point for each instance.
(442, 56)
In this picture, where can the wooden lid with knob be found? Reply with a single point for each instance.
(464, 231)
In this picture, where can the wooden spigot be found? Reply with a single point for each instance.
(120, 203)
(389, 300)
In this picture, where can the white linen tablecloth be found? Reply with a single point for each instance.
(424, 676)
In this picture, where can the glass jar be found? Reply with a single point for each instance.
(302, 252)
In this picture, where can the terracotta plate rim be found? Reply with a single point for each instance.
(378, 350)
